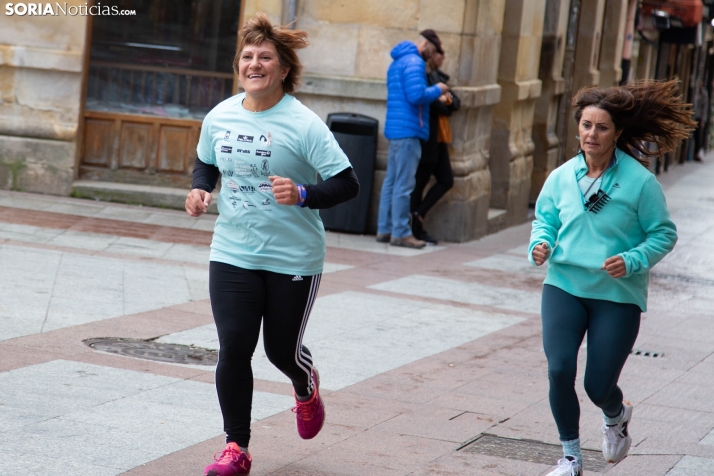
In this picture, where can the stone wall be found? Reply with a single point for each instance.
(345, 71)
(512, 146)
(41, 61)
(587, 60)
(545, 138)
(613, 37)
(463, 213)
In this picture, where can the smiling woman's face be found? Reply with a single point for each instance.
(259, 70)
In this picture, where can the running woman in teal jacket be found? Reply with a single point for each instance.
(602, 222)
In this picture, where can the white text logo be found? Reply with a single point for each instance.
(56, 9)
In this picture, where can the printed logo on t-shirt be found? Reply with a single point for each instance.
(232, 185)
(266, 141)
(244, 138)
(242, 151)
(265, 187)
(227, 172)
(265, 168)
(617, 185)
(234, 201)
(227, 136)
(247, 189)
(262, 153)
(243, 170)
(226, 149)
(247, 205)
(266, 204)
(226, 159)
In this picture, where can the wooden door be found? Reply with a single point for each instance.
(138, 149)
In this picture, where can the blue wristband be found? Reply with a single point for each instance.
(302, 195)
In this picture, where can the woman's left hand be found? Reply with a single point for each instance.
(284, 190)
(615, 266)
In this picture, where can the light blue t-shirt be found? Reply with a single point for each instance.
(289, 140)
(589, 185)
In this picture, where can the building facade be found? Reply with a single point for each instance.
(110, 106)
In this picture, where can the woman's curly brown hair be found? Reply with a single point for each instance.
(645, 111)
(286, 41)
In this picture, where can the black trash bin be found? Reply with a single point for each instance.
(357, 136)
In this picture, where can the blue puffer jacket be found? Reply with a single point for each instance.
(408, 96)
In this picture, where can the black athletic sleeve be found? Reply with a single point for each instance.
(335, 190)
(205, 176)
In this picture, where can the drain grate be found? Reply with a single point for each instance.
(530, 450)
(647, 353)
(150, 350)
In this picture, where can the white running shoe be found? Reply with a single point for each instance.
(567, 466)
(617, 440)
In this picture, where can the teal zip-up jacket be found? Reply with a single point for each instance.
(634, 224)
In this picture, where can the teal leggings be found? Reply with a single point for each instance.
(612, 330)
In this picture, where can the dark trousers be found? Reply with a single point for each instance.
(434, 161)
(612, 330)
(241, 299)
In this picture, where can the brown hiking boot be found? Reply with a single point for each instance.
(408, 242)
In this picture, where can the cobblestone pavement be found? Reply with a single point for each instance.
(420, 352)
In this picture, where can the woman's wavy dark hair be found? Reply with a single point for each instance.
(259, 29)
(645, 111)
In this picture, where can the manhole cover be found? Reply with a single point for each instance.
(150, 350)
(530, 450)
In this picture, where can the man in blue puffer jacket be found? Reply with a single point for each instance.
(408, 99)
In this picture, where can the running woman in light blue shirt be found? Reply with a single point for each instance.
(602, 221)
(269, 242)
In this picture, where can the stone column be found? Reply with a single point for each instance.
(547, 142)
(511, 161)
(41, 68)
(463, 213)
(645, 60)
(613, 37)
(587, 60)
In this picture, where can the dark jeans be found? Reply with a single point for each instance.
(434, 161)
(240, 300)
(612, 330)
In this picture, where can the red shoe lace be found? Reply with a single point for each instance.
(306, 410)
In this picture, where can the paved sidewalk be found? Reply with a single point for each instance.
(420, 352)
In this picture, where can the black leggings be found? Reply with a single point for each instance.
(612, 330)
(434, 161)
(240, 300)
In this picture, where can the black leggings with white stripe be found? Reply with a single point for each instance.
(240, 300)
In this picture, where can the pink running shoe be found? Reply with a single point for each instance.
(310, 415)
(233, 461)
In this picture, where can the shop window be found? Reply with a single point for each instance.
(173, 59)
